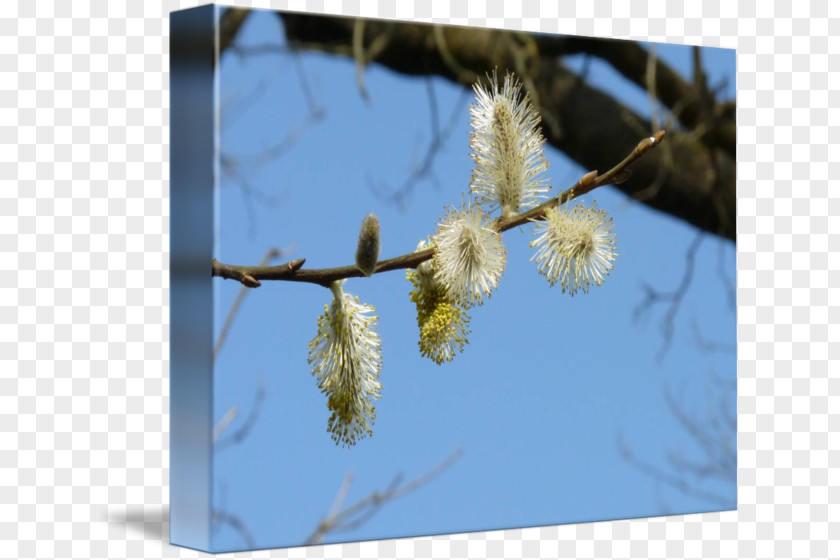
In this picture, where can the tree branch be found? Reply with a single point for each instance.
(691, 103)
(590, 126)
(594, 127)
(358, 513)
(250, 276)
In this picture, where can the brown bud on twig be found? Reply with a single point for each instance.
(647, 143)
(250, 281)
(587, 179)
(367, 251)
(296, 264)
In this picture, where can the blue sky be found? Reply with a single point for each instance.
(545, 387)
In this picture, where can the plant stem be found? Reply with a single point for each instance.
(291, 271)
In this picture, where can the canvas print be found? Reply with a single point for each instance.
(433, 279)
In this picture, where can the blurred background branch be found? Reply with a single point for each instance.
(341, 519)
(593, 127)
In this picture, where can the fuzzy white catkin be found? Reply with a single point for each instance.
(575, 247)
(469, 256)
(507, 148)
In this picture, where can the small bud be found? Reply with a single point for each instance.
(587, 179)
(250, 281)
(367, 251)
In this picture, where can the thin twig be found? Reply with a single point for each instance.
(379, 499)
(650, 83)
(716, 450)
(229, 25)
(261, 49)
(361, 511)
(670, 479)
(226, 421)
(425, 168)
(653, 296)
(728, 283)
(708, 345)
(236, 524)
(232, 165)
(316, 111)
(235, 106)
(464, 75)
(359, 56)
(239, 435)
(293, 272)
(701, 80)
(341, 496)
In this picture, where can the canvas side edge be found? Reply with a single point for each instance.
(192, 180)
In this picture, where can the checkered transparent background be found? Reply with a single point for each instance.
(84, 282)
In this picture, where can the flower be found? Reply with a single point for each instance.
(574, 247)
(469, 255)
(443, 323)
(507, 147)
(346, 358)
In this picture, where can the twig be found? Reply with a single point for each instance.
(316, 111)
(241, 273)
(231, 22)
(717, 443)
(247, 426)
(670, 479)
(293, 272)
(341, 496)
(235, 106)
(650, 83)
(236, 524)
(424, 169)
(728, 283)
(716, 439)
(233, 163)
(701, 80)
(464, 75)
(226, 421)
(652, 191)
(360, 512)
(708, 345)
(265, 48)
(653, 296)
(359, 56)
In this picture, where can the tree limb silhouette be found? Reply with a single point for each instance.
(590, 126)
